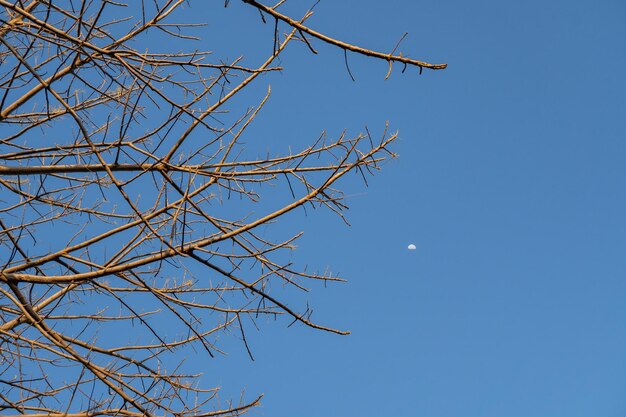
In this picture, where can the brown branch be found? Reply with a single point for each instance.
(343, 45)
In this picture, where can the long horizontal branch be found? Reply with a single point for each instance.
(160, 167)
(343, 45)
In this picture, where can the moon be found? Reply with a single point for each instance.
(411, 247)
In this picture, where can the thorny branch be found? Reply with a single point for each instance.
(131, 208)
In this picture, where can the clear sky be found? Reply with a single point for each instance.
(511, 184)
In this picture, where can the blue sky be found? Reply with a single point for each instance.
(510, 182)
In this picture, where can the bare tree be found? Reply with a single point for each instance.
(130, 213)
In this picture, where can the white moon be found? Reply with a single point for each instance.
(411, 247)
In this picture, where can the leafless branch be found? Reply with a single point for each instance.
(131, 209)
